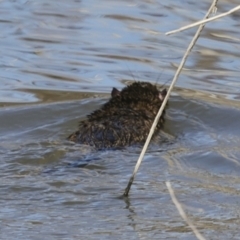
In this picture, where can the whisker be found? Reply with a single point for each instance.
(165, 83)
(131, 73)
(160, 74)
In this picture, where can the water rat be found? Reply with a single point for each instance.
(124, 120)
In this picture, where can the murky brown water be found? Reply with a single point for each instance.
(59, 61)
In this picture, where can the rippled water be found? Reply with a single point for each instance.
(59, 61)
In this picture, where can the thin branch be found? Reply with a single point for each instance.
(166, 99)
(204, 21)
(182, 213)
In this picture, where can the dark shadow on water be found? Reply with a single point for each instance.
(83, 162)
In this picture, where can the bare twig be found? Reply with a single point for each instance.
(182, 213)
(166, 99)
(204, 21)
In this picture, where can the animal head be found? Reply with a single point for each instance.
(139, 96)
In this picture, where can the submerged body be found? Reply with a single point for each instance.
(124, 120)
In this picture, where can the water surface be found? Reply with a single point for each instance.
(59, 61)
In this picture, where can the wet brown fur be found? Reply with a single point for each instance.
(124, 120)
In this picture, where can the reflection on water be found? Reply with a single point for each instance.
(58, 63)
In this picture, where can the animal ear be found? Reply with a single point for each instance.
(163, 94)
(115, 92)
